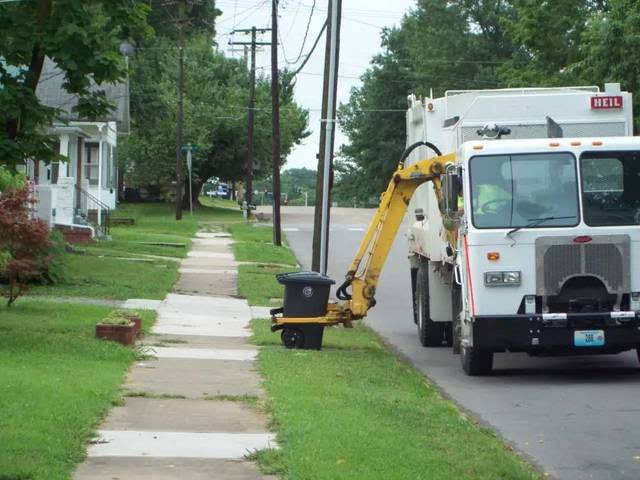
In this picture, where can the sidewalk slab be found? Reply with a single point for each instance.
(209, 271)
(216, 241)
(141, 468)
(261, 312)
(211, 247)
(207, 284)
(178, 415)
(218, 324)
(195, 303)
(193, 378)
(130, 443)
(141, 304)
(213, 235)
(202, 262)
(204, 353)
(228, 330)
(206, 254)
(197, 341)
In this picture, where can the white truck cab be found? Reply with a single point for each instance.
(541, 251)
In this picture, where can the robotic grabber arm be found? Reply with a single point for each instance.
(364, 273)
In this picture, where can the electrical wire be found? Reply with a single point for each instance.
(297, 71)
(306, 33)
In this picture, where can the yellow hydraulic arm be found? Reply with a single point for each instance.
(364, 272)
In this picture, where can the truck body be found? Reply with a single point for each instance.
(534, 242)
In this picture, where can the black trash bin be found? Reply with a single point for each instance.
(306, 294)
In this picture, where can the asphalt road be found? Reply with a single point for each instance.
(576, 417)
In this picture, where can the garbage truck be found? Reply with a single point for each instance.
(523, 237)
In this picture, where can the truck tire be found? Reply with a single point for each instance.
(430, 333)
(476, 362)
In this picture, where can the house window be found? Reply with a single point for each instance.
(55, 172)
(91, 171)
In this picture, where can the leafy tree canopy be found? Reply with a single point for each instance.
(215, 115)
(83, 39)
(479, 44)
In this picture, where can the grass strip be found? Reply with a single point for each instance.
(353, 410)
(120, 269)
(253, 243)
(58, 381)
(257, 283)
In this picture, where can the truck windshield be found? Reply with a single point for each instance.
(611, 188)
(510, 191)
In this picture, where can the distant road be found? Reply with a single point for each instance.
(577, 417)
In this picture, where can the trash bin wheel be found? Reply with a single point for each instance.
(292, 338)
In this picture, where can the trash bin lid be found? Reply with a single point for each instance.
(306, 278)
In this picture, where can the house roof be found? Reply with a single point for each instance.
(52, 94)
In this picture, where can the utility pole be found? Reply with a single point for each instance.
(180, 115)
(327, 135)
(275, 112)
(252, 101)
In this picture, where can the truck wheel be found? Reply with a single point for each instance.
(430, 333)
(476, 362)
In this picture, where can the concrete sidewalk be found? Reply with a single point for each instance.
(187, 414)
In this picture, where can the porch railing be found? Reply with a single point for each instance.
(93, 211)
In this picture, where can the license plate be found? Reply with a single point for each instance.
(588, 338)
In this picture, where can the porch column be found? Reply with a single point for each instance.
(100, 147)
(63, 167)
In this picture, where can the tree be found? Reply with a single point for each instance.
(199, 17)
(24, 242)
(83, 39)
(438, 46)
(608, 49)
(547, 36)
(215, 116)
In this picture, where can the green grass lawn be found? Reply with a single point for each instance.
(353, 410)
(124, 267)
(257, 283)
(57, 382)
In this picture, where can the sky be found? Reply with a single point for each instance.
(362, 22)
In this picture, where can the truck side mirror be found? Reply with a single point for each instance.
(451, 189)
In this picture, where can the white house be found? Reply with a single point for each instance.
(79, 194)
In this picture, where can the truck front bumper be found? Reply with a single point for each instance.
(556, 333)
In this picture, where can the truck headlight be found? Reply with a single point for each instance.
(497, 279)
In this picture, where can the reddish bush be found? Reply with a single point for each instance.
(24, 239)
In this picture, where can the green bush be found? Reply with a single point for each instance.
(56, 268)
(10, 180)
(4, 258)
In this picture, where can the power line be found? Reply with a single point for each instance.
(253, 10)
(306, 32)
(324, 26)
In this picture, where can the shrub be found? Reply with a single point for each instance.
(24, 240)
(56, 269)
(10, 181)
